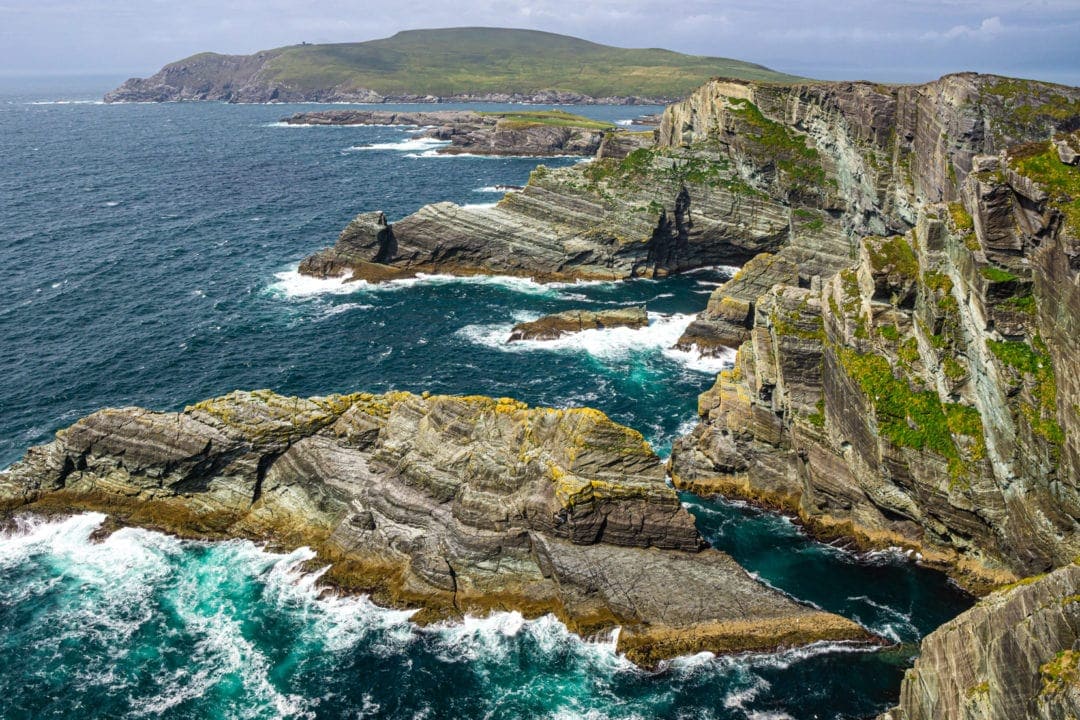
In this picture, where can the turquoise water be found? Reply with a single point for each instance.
(148, 254)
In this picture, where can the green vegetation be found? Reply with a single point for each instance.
(1023, 303)
(495, 60)
(910, 418)
(1060, 673)
(894, 252)
(1040, 162)
(889, 332)
(960, 217)
(953, 369)
(557, 118)
(665, 166)
(1035, 365)
(790, 151)
(996, 275)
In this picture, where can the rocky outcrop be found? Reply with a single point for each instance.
(555, 326)
(925, 396)
(741, 168)
(448, 504)
(535, 134)
(1014, 656)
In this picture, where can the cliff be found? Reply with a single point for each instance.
(740, 168)
(1014, 655)
(442, 65)
(451, 505)
(925, 395)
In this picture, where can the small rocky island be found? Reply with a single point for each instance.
(552, 327)
(537, 133)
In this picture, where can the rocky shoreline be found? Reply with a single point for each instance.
(539, 134)
(452, 505)
(906, 321)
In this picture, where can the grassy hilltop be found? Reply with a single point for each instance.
(474, 60)
(449, 62)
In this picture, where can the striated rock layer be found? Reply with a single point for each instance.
(448, 504)
(739, 168)
(1014, 655)
(925, 396)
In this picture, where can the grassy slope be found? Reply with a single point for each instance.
(478, 60)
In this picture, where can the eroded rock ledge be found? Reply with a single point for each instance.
(736, 169)
(448, 504)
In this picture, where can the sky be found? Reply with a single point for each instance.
(909, 41)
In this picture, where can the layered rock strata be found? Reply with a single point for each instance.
(551, 327)
(925, 396)
(477, 133)
(737, 169)
(449, 504)
(1014, 656)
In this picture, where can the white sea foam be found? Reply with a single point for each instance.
(662, 332)
(494, 189)
(436, 154)
(696, 360)
(624, 123)
(281, 124)
(407, 145)
(66, 102)
(291, 284)
(478, 206)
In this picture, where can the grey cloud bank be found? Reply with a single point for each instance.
(903, 42)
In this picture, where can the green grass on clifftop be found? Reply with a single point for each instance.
(557, 118)
(496, 60)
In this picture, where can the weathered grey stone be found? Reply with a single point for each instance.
(1014, 656)
(449, 504)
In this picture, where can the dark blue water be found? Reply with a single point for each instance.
(148, 254)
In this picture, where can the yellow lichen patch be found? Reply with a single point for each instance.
(1060, 673)
(647, 645)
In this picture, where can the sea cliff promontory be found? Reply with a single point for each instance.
(906, 322)
(448, 504)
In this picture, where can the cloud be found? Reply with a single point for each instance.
(988, 29)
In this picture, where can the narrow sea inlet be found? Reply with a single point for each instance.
(151, 253)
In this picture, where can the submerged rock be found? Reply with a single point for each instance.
(448, 504)
(554, 326)
(1014, 656)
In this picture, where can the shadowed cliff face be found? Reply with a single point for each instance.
(448, 504)
(1020, 653)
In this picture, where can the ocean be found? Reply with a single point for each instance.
(150, 255)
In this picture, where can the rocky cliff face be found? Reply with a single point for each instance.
(448, 504)
(740, 168)
(1015, 655)
(924, 396)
